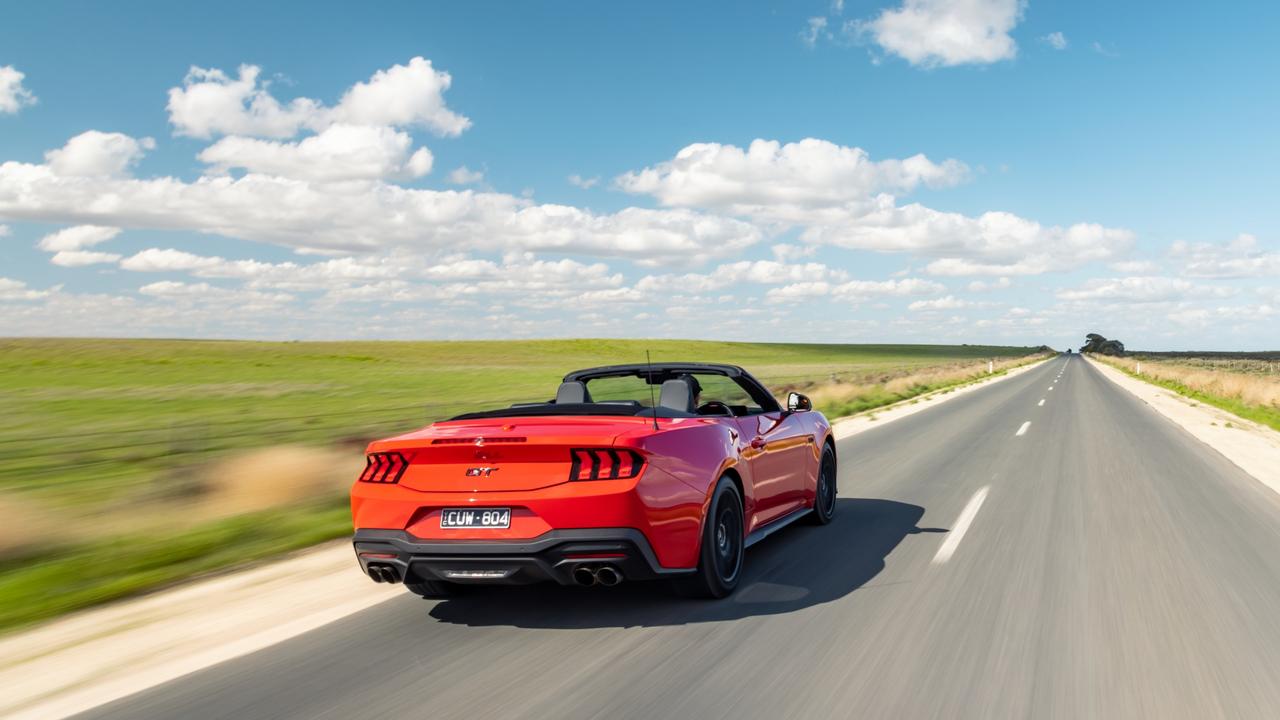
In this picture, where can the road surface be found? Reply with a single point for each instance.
(994, 557)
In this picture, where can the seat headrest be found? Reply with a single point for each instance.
(676, 395)
(572, 393)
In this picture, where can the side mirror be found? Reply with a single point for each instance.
(798, 403)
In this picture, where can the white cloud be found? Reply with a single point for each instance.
(13, 96)
(994, 243)
(761, 272)
(169, 260)
(947, 302)
(814, 29)
(210, 102)
(584, 183)
(981, 286)
(94, 153)
(77, 238)
(1134, 267)
(181, 291)
(463, 175)
(1104, 50)
(334, 218)
(932, 33)
(5, 231)
(1140, 289)
(773, 181)
(1056, 40)
(339, 152)
(11, 289)
(404, 96)
(784, 252)
(68, 245)
(80, 258)
(855, 291)
(1243, 257)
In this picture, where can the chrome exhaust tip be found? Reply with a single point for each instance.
(608, 576)
(584, 576)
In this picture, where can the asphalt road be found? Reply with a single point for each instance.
(1102, 564)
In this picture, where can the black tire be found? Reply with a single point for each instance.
(723, 546)
(824, 502)
(432, 589)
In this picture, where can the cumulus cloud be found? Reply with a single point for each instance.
(855, 290)
(13, 95)
(95, 153)
(947, 302)
(77, 238)
(68, 245)
(80, 258)
(211, 102)
(464, 175)
(332, 218)
(994, 243)
(931, 33)
(982, 286)
(339, 152)
(1140, 289)
(1243, 257)
(11, 289)
(777, 182)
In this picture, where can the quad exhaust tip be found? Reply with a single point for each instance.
(383, 573)
(605, 575)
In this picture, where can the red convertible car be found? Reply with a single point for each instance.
(632, 472)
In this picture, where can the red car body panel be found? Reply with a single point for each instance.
(524, 463)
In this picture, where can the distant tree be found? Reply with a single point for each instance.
(1098, 344)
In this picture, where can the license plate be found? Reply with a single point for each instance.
(497, 518)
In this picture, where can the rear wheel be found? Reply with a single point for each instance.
(824, 500)
(432, 589)
(723, 545)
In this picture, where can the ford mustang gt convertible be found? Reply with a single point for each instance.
(633, 472)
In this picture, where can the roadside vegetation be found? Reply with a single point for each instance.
(1244, 384)
(126, 465)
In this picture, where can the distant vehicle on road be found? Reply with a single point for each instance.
(632, 472)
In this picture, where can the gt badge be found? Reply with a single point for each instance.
(481, 471)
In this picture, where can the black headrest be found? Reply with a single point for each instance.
(676, 395)
(572, 392)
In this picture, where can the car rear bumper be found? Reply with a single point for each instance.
(551, 556)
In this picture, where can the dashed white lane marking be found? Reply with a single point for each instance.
(1023, 430)
(1050, 387)
(1041, 403)
(948, 547)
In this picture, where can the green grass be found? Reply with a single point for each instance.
(1261, 414)
(92, 430)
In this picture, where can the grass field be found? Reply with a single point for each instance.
(1245, 384)
(128, 464)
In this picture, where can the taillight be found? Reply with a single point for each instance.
(604, 464)
(383, 467)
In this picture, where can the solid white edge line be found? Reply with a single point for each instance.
(948, 547)
(1023, 430)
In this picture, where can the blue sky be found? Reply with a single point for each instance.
(901, 170)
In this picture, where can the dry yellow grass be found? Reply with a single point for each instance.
(275, 477)
(1249, 388)
(874, 389)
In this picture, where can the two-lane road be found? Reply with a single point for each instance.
(1044, 547)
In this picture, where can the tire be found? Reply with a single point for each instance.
(432, 589)
(824, 500)
(723, 546)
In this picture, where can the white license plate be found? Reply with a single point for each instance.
(454, 518)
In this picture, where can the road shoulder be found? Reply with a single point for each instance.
(1252, 447)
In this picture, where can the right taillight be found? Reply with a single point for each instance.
(604, 464)
(383, 467)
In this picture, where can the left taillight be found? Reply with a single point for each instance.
(604, 464)
(383, 467)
